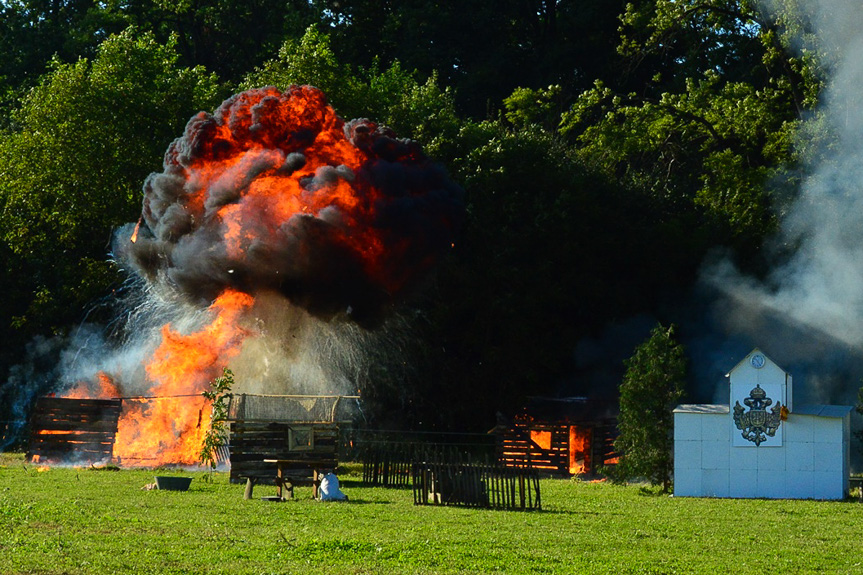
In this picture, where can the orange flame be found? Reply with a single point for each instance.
(170, 428)
(579, 449)
(273, 192)
(134, 237)
(105, 389)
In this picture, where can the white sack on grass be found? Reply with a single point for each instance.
(330, 488)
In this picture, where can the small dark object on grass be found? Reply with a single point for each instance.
(173, 483)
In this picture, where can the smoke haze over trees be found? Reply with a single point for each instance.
(609, 152)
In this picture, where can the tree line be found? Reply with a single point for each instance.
(605, 148)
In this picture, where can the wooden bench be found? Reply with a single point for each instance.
(282, 454)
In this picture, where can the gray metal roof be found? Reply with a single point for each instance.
(816, 410)
(823, 410)
(701, 408)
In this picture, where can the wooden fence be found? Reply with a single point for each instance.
(73, 430)
(475, 485)
(387, 457)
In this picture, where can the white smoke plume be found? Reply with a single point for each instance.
(807, 314)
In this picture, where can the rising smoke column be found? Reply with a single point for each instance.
(808, 312)
(274, 192)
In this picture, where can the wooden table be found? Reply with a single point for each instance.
(285, 480)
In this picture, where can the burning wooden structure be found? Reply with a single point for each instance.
(562, 437)
(73, 430)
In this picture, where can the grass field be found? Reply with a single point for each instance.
(70, 521)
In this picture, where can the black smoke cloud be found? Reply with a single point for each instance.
(403, 199)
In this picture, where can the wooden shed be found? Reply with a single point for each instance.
(559, 436)
(302, 431)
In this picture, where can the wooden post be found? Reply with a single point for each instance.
(280, 481)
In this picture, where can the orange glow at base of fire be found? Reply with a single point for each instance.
(106, 389)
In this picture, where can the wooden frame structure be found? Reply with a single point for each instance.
(560, 437)
(73, 430)
(283, 439)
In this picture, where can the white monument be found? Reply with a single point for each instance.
(761, 445)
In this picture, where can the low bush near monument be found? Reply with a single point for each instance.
(94, 521)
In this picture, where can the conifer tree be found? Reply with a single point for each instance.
(651, 388)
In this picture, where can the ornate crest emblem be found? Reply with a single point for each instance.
(757, 423)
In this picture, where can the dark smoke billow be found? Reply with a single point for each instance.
(274, 193)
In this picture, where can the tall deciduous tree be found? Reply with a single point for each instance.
(482, 49)
(652, 386)
(704, 114)
(72, 166)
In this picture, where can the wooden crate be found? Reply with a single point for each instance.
(73, 430)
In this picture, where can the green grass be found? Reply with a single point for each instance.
(71, 521)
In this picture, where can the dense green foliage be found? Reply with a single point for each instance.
(72, 165)
(651, 388)
(86, 521)
(605, 149)
(216, 434)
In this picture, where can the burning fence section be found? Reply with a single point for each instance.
(73, 430)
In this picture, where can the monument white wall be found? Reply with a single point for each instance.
(809, 459)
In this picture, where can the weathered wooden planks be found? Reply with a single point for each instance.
(518, 449)
(73, 430)
(303, 447)
(518, 446)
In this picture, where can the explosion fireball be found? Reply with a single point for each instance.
(273, 194)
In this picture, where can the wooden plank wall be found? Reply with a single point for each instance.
(604, 435)
(253, 441)
(73, 430)
(518, 450)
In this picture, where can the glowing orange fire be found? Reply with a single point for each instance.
(541, 438)
(168, 427)
(579, 449)
(105, 389)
